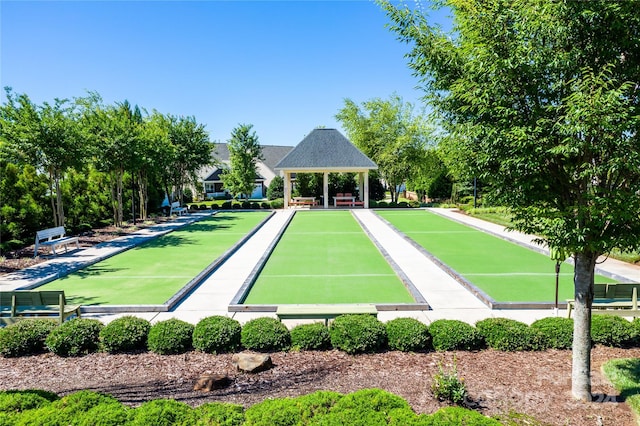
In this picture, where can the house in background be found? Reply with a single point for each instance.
(210, 177)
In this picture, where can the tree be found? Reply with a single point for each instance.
(388, 133)
(276, 188)
(244, 151)
(541, 101)
(46, 137)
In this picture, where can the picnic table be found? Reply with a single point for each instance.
(304, 201)
(344, 200)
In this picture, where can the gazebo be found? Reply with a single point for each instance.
(326, 151)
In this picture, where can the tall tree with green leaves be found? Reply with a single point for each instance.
(45, 136)
(387, 132)
(540, 100)
(244, 152)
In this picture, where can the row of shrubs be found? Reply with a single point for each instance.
(350, 333)
(392, 204)
(279, 203)
(367, 407)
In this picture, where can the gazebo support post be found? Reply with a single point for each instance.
(325, 189)
(365, 198)
(287, 189)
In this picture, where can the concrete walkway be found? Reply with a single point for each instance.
(447, 298)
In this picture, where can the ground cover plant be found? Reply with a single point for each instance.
(625, 376)
(325, 257)
(498, 267)
(154, 271)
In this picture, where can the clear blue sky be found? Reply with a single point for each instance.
(283, 66)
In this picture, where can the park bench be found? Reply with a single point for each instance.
(36, 304)
(52, 238)
(613, 299)
(303, 201)
(176, 209)
(325, 312)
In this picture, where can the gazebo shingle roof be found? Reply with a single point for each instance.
(325, 149)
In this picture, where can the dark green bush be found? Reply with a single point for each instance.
(217, 334)
(393, 204)
(365, 408)
(76, 337)
(255, 205)
(414, 204)
(236, 206)
(277, 203)
(219, 414)
(610, 330)
(172, 336)
(226, 205)
(245, 205)
(506, 334)
(162, 412)
(265, 334)
(373, 204)
(25, 337)
(265, 205)
(204, 207)
(214, 207)
(403, 204)
(68, 410)
(450, 335)
(383, 204)
(317, 404)
(125, 334)
(556, 332)
(408, 335)
(310, 337)
(358, 334)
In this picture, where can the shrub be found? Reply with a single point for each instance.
(556, 332)
(358, 333)
(17, 401)
(506, 334)
(226, 205)
(383, 204)
(76, 337)
(414, 204)
(125, 334)
(460, 416)
(255, 205)
(25, 337)
(449, 335)
(274, 412)
(265, 334)
(236, 206)
(68, 410)
(277, 204)
(317, 404)
(219, 413)
(265, 205)
(105, 414)
(217, 334)
(403, 204)
(447, 386)
(407, 335)
(172, 336)
(214, 206)
(610, 330)
(162, 412)
(310, 337)
(393, 204)
(373, 204)
(245, 205)
(364, 408)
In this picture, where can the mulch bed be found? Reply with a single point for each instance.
(535, 383)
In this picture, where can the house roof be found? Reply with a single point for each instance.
(326, 149)
(215, 176)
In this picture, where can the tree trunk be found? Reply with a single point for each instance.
(583, 284)
(54, 211)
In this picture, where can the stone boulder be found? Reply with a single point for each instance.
(251, 362)
(207, 382)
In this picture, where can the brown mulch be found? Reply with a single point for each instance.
(19, 259)
(535, 383)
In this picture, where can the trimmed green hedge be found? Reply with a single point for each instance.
(25, 337)
(172, 336)
(217, 334)
(265, 334)
(451, 335)
(358, 333)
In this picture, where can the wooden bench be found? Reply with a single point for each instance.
(303, 201)
(325, 312)
(176, 209)
(613, 299)
(52, 238)
(37, 304)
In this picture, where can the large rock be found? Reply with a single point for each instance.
(208, 382)
(251, 362)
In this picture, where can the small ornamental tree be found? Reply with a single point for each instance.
(244, 151)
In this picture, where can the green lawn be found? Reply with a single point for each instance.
(325, 257)
(505, 271)
(153, 272)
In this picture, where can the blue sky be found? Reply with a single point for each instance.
(283, 66)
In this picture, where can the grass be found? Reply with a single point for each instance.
(325, 257)
(505, 271)
(625, 376)
(154, 271)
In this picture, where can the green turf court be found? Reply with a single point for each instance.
(505, 271)
(326, 257)
(153, 272)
